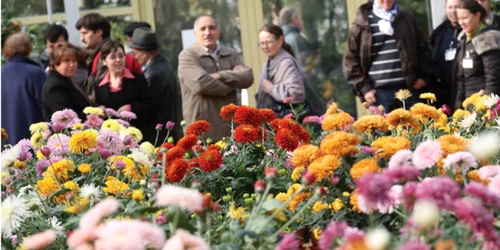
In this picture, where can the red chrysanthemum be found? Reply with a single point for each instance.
(267, 114)
(175, 153)
(214, 146)
(177, 170)
(304, 136)
(286, 139)
(193, 163)
(248, 115)
(275, 124)
(290, 124)
(166, 145)
(246, 133)
(198, 127)
(188, 141)
(210, 160)
(227, 112)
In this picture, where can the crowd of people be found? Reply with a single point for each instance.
(385, 51)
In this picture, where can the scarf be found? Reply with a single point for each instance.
(386, 18)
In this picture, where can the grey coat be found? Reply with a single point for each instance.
(287, 79)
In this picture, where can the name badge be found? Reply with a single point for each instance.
(450, 54)
(467, 63)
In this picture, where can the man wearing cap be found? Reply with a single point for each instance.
(209, 74)
(146, 51)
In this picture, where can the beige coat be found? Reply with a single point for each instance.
(204, 96)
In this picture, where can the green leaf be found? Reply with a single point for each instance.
(272, 204)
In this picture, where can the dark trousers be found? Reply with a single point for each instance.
(386, 97)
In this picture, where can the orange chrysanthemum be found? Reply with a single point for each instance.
(176, 170)
(248, 115)
(227, 112)
(286, 139)
(214, 146)
(166, 145)
(304, 136)
(188, 141)
(193, 163)
(290, 124)
(210, 160)
(363, 167)
(246, 133)
(370, 123)
(175, 153)
(324, 167)
(474, 176)
(387, 146)
(403, 119)
(451, 144)
(198, 127)
(297, 200)
(339, 121)
(340, 143)
(267, 114)
(354, 202)
(425, 112)
(305, 154)
(275, 124)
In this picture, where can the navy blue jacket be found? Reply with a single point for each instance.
(22, 82)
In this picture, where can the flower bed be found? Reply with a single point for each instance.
(411, 179)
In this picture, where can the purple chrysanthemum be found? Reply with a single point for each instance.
(67, 117)
(127, 115)
(332, 231)
(111, 112)
(414, 245)
(288, 243)
(443, 190)
(401, 174)
(479, 219)
(109, 140)
(373, 191)
(41, 166)
(488, 198)
(58, 144)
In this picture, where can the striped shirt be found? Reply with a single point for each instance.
(386, 69)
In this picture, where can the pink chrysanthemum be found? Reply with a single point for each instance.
(479, 219)
(111, 112)
(443, 190)
(353, 234)
(488, 172)
(123, 122)
(93, 121)
(414, 245)
(460, 161)
(332, 231)
(109, 140)
(373, 191)
(426, 154)
(488, 198)
(67, 117)
(58, 144)
(494, 185)
(401, 174)
(312, 119)
(41, 166)
(396, 196)
(26, 146)
(367, 150)
(401, 159)
(127, 115)
(288, 243)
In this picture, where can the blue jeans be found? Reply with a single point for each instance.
(386, 98)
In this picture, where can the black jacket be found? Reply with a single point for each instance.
(59, 93)
(159, 75)
(484, 50)
(134, 92)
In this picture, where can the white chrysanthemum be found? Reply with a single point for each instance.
(91, 192)
(56, 225)
(491, 101)
(147, 148)
(9, 156)
(469, 121)
(140, 157)
(25, 190)
(33, 201)
(14, 211)
(485, 146)
(378, 239)
(425, 214)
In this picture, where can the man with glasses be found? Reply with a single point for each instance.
(210, 74)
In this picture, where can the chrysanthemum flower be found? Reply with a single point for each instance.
(39, 127)
(127, 115)
(488, 198)
(403, 118)
(93, 111)
(426, 154)
(188, 141)
(452, 144)
(36, 140)
(210, 160)
(109, 140)
(374, 191)
(428, 96)
(341, 121)
(275, 124)
(288, 242)
(267, 115)
(353, 200)
(400, 159)
(187, 199)
(443, 190)
(135, 133)
(402, 94)
(47, 186)
(297, 173)
(478, 218)
(60, 170)
(370, 123)
(76, 206)
(329, 235)
(67, 117)
(299, 198)
(460, 161)
(227, 111)
(248, 115)
(176, 170)
(425, 112)
(93, 121)
(340, 143)
(115, 187)
(14, 211)
(246, 133)
(214, 146)
(83, 141)
(136, 172)
(198, 127)
(175, 153)
(324, 167)
(286, 139)
(387, 146)
(363, 167)
(305, 154)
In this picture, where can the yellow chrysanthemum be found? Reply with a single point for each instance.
(339, 121)
(111, 124)
(76, 206)
(480, 106)
(319, 205)
(294, 189)
(47, 186)
(474, 175)
(403, 118)
(297, 200)
(460, 114)
(115, 187)
(324, 167)
(19, 164)
(134, 133)
(337, 205)
(402, 94)
(137, 195)
(354, 202)
(36, 140)
(297, 173)
(136, 173)
(471, 100)
(340, 143)
(346, 194)
(332, 109)
(425, 112)
(445, 245)
(73, 186)
(387, 146)
(93, 111)
(370, 123)
(60, 170)
(38, 127)
(428, 96)
(84, 168)
(451, 144)
(317, 233)
(238, 213)
(120, 158)
(363, 167)
(83, 141)
(221, 144)
(283, 197)
(77, 126)
(147, 147)
(305, 154)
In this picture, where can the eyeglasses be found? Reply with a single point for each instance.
(266, 43)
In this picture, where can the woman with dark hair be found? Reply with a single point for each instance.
(281, 77)
(59, 91)
(122, 90)
(479, 56)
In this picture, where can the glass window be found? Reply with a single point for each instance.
(103, 4)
